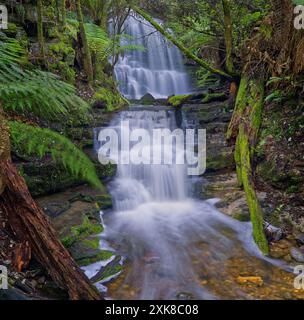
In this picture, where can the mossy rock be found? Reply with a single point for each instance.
(179, 100)
(147, 99)
(11, 30)
(111, 269)
(108, 99)
(242, 216)
(82, 232)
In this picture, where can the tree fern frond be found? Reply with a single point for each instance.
(40, 92)
(38, 141)
(99, 42)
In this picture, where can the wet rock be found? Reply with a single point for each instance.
(147, 99)
(250, 280)
(280, 249)
(299, 237)
(273, 233)
(56, 209)
(184, 296)
(111, 269)
(297, 254)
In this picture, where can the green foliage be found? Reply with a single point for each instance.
(86, 229)
(205, 78)
(40, 92)
(34, 140)
(275, 96)
(99, 42)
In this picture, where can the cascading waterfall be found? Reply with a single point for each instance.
(173, 242)
(159, 70)
(157, 224)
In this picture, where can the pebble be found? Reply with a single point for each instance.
(250, 280)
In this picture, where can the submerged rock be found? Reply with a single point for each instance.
(297, 254)
(250, 280)
(273, 233)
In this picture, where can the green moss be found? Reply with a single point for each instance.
(101, 256)
(210, 97)
(11, 30)
(86, 229)
(255, 210)
(108, 272)
(240, 106)
(92, 243)
(108, 98)
(179, 100)
(240, 216)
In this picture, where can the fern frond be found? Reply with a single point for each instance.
(99, 42)
(37, 141)
(40, 92)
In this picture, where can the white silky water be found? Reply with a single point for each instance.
(174, 245)
(159, 70)
(171, 241)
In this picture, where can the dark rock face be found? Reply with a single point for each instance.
(147, 99)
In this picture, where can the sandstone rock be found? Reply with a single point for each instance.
(250, 280)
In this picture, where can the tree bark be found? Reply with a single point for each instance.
(87, 59)
(244, 128)
(63, 12)
(103, 19)
(33, 230)
(228, 36)
(187, 52)
(40, 28)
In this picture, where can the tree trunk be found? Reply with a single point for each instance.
(244, 128)
(33, 230)
(187, 52)
(228, 36)
(63, 12)
(87, 60)
(103, 19)
(4, 145)
(245, 172)
(40, 28)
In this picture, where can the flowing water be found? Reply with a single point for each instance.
(174, 245)
(159, 70)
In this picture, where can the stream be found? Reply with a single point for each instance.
(173, 244)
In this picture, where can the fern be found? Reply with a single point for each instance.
(99, 42)
(38, 141)
(40, 92)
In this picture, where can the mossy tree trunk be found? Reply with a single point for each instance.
(244, 128)
(63, 13)
(228, 36)
(178, 44)
(4, 145)
(103, 18)
(87, 60)
(245, 174)
(32, 229)
(40, 28)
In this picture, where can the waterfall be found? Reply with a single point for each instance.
(170, 239)
(159, 70)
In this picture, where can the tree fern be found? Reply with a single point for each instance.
(38, 141)
(99, 42)
(24, 90)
